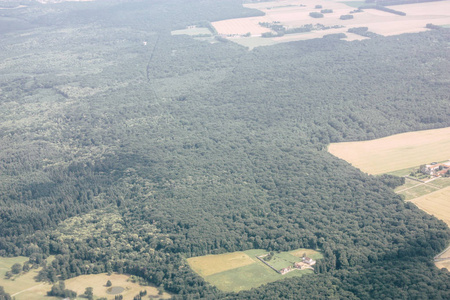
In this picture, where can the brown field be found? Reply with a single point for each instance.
(212, 264)
(98, 281)
(290, 14)
(436, 204)
(395, 152)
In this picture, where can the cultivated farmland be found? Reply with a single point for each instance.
(436, 203)
(395, 152)
(233, 272)
(399, 155)
(292, 14)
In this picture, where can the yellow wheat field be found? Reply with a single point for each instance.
(436, 204)
(395, 152)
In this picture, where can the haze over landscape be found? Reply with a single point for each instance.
(204, 149)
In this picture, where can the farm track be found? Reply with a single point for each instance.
(427, 184)
(30, 288)
(437, 258)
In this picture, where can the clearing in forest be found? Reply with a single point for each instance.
(237, 271)
(395, 152)
(22, 286)
(98, 283)
(212, 264)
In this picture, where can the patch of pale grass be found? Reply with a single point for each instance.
(98, 283)
(308, 252)
(212, 264)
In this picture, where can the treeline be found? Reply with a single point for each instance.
(383, 8)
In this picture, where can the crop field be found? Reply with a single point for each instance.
(413, 189)
(436, 203)
(292, 13)
(395, 152)
(237, 271)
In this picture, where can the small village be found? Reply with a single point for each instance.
(306, 263)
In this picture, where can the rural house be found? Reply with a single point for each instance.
(435, 169)
(309, 261)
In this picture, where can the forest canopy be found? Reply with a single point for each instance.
(126, 149)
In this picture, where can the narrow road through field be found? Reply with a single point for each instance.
(427, 184)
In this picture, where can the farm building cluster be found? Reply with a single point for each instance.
(306, 263)
(436, 169)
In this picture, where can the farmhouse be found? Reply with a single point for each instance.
(309, 261)
(435, 169)
(285, 270)
(302, 266)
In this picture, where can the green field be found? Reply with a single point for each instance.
(232, 272)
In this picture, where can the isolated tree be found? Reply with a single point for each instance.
(108, 283)
(89, 293)
(16, 268)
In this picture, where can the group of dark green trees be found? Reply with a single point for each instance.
(178, 147)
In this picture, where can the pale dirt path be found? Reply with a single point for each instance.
(27, 289)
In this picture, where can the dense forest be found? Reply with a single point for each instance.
(125, 149)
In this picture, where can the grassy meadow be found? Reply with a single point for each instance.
(24, 286)
(237, 271)
(396, 152)
(98, 282)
